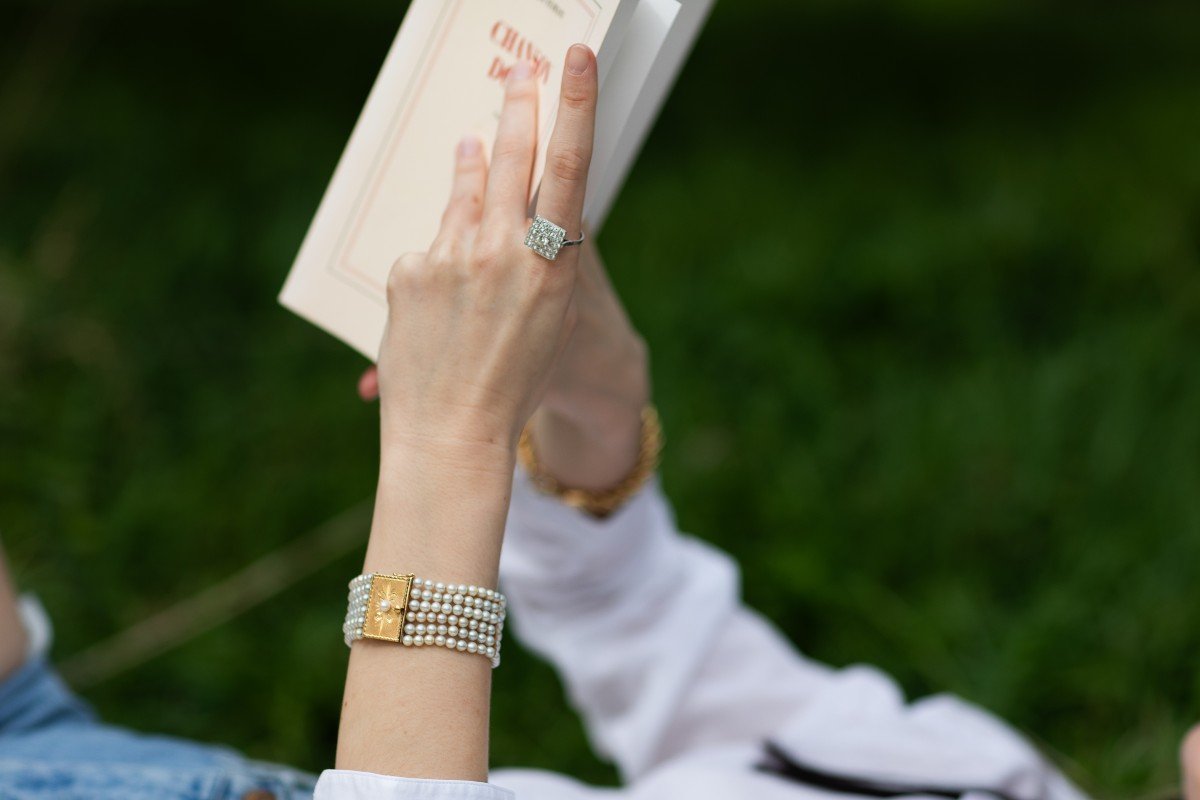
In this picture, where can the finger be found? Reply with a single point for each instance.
(569, 156)
(368, 385)
(507, 197)
(465, 207)
(1190, 754)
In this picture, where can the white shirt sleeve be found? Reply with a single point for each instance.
(647, 630)
(344, 784)
(683, 686)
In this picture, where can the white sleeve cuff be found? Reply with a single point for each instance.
(559, 551)
(344, 784)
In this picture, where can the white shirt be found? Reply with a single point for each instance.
(682, 686)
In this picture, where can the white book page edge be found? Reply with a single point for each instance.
(648, 32)
(607, 182)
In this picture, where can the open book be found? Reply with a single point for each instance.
(444, 79)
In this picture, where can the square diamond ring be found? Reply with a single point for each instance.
(546, 239)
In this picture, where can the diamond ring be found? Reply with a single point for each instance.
(546, 239)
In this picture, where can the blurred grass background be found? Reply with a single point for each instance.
(920, 281)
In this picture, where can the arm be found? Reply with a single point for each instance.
(13, 641)
(647, 630)
(473, 330)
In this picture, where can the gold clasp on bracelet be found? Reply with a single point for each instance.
(387, 606)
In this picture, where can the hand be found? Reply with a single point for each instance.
(474, 325)
(588, 428)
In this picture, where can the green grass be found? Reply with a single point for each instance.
(921, 284)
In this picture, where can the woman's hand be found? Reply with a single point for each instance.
(475, 324)
(588, 426)
(588, 429)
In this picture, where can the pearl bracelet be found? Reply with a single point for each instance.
(418, 612)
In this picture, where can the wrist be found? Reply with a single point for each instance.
(429, 460)
(453, 433)
(590, 439)
(593, 457)
(441, 510)
(599, 502)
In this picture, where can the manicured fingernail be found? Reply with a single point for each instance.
(468, 147)
(522, 70)
(578, 58)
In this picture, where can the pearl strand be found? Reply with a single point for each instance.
(461, 617)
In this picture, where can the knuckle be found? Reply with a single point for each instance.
(411, 262)
(404, 273)
(443, 256)
(469, 165)
(468, 199)
(519, 92)
(578, 95)
(512, 148)
(570, 162)
(488, 253)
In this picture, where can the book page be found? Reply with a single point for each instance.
(442, 80)
(623, 115)
(660, 38)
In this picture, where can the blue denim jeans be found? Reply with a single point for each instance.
(52, 746)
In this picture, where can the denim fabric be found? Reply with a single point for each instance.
(53, 747)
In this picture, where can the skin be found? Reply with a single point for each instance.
(588, 427)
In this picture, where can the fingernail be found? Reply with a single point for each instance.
(468, 147)
(522, 70)
(578, 58)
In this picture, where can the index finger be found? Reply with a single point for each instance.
(507, 195)
(564, 182)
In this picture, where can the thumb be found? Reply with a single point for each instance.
(1190, 755)
(368, 385)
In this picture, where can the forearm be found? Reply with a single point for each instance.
(424, 713)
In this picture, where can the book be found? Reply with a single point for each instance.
(443, 79)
